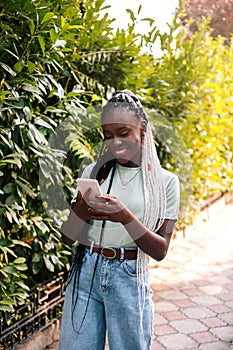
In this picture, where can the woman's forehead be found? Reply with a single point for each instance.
(122, 117)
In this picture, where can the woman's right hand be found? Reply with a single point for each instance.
(80, 207)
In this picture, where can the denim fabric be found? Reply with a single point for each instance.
(113, 306)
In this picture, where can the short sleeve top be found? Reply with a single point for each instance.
(132, 196)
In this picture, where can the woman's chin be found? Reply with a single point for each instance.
(127, 163)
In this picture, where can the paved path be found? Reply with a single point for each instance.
(193, 287)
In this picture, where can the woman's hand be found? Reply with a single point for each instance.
(81, 206)
(107, 207)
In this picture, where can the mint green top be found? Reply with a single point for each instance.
(132, 196)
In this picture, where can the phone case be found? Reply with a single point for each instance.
(85, 184)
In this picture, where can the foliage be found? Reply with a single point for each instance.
(56, 57)
(192, 88)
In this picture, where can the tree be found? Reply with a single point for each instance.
(219, 11)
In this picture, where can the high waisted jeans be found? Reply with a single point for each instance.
(113, 306)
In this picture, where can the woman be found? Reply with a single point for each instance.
(108, 286)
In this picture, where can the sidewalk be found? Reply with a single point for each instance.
(193, 287)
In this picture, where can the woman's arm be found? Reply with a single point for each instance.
(154, 244)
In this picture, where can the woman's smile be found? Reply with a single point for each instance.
(120, 152)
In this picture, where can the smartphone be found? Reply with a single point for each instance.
(85, 184)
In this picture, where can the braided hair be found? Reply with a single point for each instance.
(153, 185)
(151, 168)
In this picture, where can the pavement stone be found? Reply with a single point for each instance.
(227, 317)
(177, 341)
(188, 326)
(204, 337)
(218, 345)
(193, 286)
(198, 312)
(223, 333)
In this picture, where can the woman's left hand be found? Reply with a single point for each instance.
(107, 207)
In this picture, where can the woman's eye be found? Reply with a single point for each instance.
(124, 134)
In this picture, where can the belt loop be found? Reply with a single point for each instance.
(91, 247)
(122, 254)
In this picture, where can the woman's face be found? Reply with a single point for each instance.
(123, 136)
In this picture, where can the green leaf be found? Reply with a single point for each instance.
(10, 269)
(36, 266)
(11, 201)
(41, 225)
(21, 267)
(31, 88)
(26, 188)
(53, 35)
(48, 16)
(13, 215)
(7, 251)
(132, 16)
(7, 302)
(31, 26)
(20, 295)
(42, 43)
(8, 69)
(5, 308)
(139, 9)
(19, 260)
(31, 66)
(22, 285)
(48, 263)
(28, 113)
(42, 122)
(36, 257)
(11, 161)
(36, 135)
(8, 188)
(18, 67)
(6, 242)
(24, 244)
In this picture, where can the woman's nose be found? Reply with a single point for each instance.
(116, 141)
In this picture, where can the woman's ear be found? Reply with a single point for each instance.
(143, 132)
(143, 128)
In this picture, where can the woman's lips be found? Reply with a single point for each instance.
(120, 152)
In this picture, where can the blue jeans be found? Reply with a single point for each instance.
(113, 306)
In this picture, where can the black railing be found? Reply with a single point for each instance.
(42, 307)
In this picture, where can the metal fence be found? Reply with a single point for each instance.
(42, 307)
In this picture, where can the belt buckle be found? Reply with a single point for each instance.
(108, 257)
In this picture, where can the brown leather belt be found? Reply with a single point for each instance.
(114, 253)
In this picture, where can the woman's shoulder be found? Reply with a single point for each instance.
(87, 170)
(169, 177)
